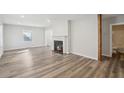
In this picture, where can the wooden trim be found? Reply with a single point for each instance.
(100, 38)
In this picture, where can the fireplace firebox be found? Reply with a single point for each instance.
(58, 46)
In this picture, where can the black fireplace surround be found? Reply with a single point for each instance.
(58, 46)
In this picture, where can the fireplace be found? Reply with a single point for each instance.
(58, 46)
(63, 43)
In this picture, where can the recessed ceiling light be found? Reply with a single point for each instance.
(22, 16)
(18, 23)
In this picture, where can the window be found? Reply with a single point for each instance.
(27, 36)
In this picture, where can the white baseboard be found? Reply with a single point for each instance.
(67, 52)
(84, 55)
(21, 48)
(1, 55)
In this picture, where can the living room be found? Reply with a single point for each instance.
(74, 34)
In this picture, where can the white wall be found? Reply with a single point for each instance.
(84, 36)
(119, 19)
(48, 37)
(13, 37)
(1, 40)
(106, 37)
(60, 27)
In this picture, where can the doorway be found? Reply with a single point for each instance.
(118, 41)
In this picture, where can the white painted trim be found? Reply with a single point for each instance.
(106, 55)
(111, 40)
(84, 55)
(118, 24)
(1, 55)
(24, 25)
(22, 48)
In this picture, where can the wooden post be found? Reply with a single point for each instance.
(100, 38)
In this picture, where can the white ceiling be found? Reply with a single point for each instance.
(43, 20)
(40, 20)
